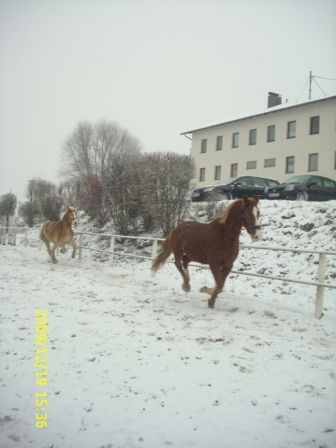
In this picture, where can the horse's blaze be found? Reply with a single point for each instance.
(258, 233)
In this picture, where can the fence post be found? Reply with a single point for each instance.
(154, 248)
(320, 289)
(3, 236)
(14, 236)
(25, 238)
(80, 247)
(112, 241)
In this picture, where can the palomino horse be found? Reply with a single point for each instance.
(215, 244)
(59, 233)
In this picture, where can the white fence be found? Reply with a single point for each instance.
(9, 236)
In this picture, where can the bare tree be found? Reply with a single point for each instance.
(28, 213)
(164, 187)
(51, 207)
(7, 206)
(92, 154)
(43, 202)
(121, 187)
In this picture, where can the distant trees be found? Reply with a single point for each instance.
(107, 176)
(7, 206)
(91, 153)
(164, 183)
(43, 202)
(112, 179)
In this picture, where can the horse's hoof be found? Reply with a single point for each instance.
(73, 256)
(211, 304)
(186, 288)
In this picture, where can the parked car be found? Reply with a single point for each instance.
(234, 187)
(304, 188)
(198, 194)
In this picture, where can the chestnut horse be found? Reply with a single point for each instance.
(59, 233)
(215, 244)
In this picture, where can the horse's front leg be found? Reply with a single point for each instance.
(74, 247)
(220, 273)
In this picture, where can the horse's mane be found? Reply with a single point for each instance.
(228, 211)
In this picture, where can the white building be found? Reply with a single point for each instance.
(278, 143)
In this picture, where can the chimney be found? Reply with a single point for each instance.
(274, 99)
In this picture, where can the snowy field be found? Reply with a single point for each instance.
(133, 361)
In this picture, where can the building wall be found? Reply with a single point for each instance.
(323, 143)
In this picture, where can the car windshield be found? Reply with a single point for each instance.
(297, 180)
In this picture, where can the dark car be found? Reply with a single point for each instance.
(304, 188)
(234, 187)
(198, 195)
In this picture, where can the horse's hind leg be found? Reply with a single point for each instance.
(51, 254)
(62, 246)
(53, 258)
(183, 269)
(185, 262)
(74, 248)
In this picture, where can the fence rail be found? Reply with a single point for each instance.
(9, 234)
(319, 284)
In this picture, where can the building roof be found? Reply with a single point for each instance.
(270, 110)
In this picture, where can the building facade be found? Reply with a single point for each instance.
(279, 143)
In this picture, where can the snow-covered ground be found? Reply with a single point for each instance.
(134, 361)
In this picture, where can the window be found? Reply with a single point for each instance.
(314, 125)
(234, 170)
(246, 181)
(219, 143)
(202, 174)
(291, 129)
(252, 137)
(252, 165)
(271, 133)
(316, 180)
(218, 172)
(235, 140)
(271, 183)
(259, 182)
(313, 162)
(268, 163)
(204, 145)
(290, 164)
(328, 183)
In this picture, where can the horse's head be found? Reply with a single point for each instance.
(70, 215)
(250, 217)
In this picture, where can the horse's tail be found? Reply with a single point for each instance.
(42, 236)
(162, 256)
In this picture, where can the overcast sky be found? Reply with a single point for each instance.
(158, 68)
